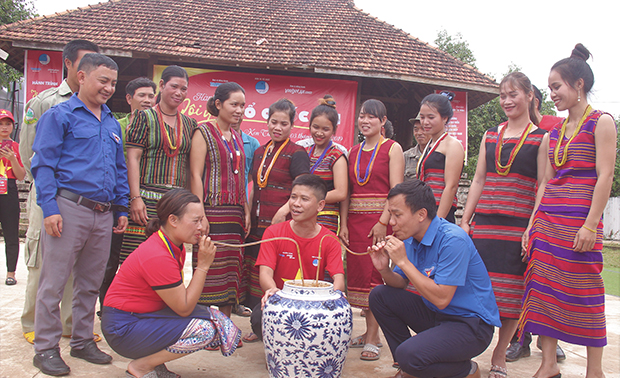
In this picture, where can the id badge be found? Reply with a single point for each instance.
(4, 185)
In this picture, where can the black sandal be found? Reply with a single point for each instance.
(10, 281)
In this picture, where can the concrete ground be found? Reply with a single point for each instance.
(249, 362)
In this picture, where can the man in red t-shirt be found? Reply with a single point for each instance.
(320, 250)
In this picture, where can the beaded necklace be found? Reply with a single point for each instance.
(263, 178)
(170, 149)
(428, 150)
(320, 159)
(503, 170)
(169, 248)
(236, 157)
(556, 151)
(371, 163)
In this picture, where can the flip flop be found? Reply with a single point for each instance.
(498, 372)
(29, 336)
(370, 348)
(163, 372)
(250, 338)
(10, 281)
(241, 310)
(360, 341)
(150, 374)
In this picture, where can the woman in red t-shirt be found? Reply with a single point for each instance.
(148, 314)
(11, 169)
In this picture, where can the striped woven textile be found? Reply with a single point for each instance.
(135, 234)
(564, 296)
(156, 168)
(223, 283)
(502, 215)
(434, 168)
(330, 215)
(366, 205)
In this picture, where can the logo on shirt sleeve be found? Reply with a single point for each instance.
(30, 118)
(429, 271)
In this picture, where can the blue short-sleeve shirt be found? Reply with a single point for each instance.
(448, 256)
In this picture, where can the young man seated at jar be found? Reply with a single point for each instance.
(278, 260)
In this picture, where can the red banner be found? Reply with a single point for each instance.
(457, 127)
(263, 90)
(43, 70)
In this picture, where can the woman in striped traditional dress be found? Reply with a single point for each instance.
(441, 162)
(375, 166)
(502, 195)
(564, 294)
(328, 161)
(217, 167)
(158, 143)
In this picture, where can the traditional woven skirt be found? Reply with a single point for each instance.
(135, 234)
(362, 276)
(223, 284)
(564, 294)
(139, 335)
(250, 278)
(498, 241)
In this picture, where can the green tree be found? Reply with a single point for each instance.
(455, 46)
(13, 11)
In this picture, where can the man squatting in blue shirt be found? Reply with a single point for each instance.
(455, 311)
(81, 177)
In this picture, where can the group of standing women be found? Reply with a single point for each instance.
(538, 198)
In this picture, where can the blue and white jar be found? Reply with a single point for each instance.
(306, 331)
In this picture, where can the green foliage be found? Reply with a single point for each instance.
(13, 11)
(480, 120)
(16, 10)
(455, 46)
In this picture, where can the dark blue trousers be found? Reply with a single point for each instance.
(443, 345)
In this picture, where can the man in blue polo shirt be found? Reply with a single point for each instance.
(81, 177)
(454, 310)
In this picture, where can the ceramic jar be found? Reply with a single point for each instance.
(306, 331)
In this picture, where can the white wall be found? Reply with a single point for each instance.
(611, 219)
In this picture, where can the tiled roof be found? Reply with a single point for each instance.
(321, 35)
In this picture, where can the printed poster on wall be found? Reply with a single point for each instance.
(263, 90)
(457, 126)
(43, 70)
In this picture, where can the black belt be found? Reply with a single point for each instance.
(101, 207)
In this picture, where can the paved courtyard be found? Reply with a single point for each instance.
(249, 361)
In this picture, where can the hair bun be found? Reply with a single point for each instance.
(447, 94)
(580, 52)
(328, 100)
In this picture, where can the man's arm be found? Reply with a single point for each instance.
(34, 110)
(439, 295)
(267, 283)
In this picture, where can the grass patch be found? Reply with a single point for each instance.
(611, 269)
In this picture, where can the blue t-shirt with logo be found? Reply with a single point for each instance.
(448, 256)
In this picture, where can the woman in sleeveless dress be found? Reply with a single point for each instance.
(502, 195)
(217, 166)
(328, 161)
(441, 162)
(564, 293)
(375, 166)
